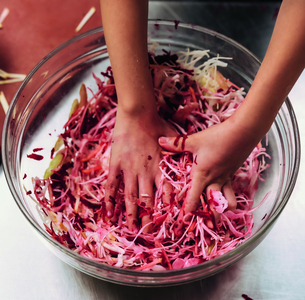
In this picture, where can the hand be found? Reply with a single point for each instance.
(135, 157)
(218, 152)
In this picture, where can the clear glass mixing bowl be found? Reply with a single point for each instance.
(41, 107)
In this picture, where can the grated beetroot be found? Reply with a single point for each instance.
(246, 297)
(193, 97)
(35, 156)
(176, 24)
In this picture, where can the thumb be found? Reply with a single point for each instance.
(176, 144)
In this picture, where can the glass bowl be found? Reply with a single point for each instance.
(41, 107)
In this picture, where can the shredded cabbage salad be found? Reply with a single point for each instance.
(191, 94)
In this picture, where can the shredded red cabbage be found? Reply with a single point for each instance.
(192, 95)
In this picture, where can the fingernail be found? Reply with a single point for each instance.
(109, 214)
(163, 140)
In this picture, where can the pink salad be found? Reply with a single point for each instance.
(191, 94)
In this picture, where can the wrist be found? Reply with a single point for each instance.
(137, 108)
(256, 114)
(244, 132)
(143, 112)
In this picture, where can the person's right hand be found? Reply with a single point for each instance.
(135, 157)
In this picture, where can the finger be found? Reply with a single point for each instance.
(146, 196)
(166, 190)
(176, 144)
(209, 189)
(131, 199)
(167, 193)
(212, 187)
(112, 185)
(191, 201)
(116, 212)
(198, 184)
(230, 196)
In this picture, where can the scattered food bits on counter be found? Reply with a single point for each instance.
(3, 15)
(4, 102)
(10, 77)
(85, 19)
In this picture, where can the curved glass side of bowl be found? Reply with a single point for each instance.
(41, 108)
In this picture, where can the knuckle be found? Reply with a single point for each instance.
(147, 201)
(110, 187)
(131, 198)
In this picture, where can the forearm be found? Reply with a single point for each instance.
(125, 27)
(282, 65)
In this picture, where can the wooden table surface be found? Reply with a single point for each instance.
(33, 29)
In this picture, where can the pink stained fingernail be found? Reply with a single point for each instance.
(109, 214)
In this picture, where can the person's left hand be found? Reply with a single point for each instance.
(217, 152)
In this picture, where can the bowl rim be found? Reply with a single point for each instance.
(149, 274)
